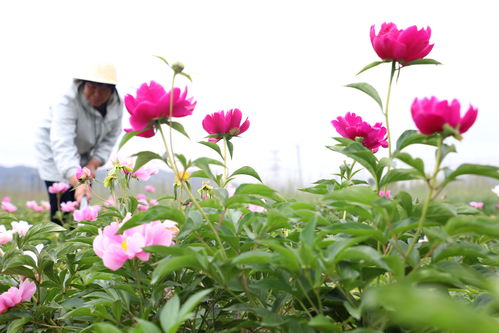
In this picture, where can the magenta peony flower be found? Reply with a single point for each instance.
(116, 249)
(403, 45)
(477, 205)
(69, 206)
(225, 124)
(20, 228)
(430, 115)
(153, 102)
(58, 188)
(88, 213)
(352, 126)
(83, 174)
(14, 296)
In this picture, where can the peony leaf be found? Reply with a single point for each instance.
(358, 194)
(144, 326)
(152, 214)
(472, 169)
(190, 304)
(145, 156)
(246, 170)
(178, 127)
(416, 163)
(372, 64)
(213, 146)
(231, 148)
(324, 324)
(411, 137)
(169, 264)
(169, 315)
(186, 75)
(369, 90)
(423, 62)
(163, 59)
(255, 257)
(130, 135)
(397, 175)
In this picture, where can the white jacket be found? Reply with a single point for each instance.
(73, 132)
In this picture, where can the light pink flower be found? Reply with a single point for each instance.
(141, 196)
(430, 115)
(403, 45)
(83, 174)
(88, 213)
(33, 205)
(8, 206)
(110, 201)
(477, 205)
(150, 188)
(224, 124)
(45, 205)
(387, 194)
(151, 103)
(69, 206)
(256, 209)
(497, 206)
(153, 202)
(145, 172)
(231, 189)
(58, 188)
(14, 296)
(20, 228)
(352, 126)
(171, 226)
(142, 207)
(5, 235)
(5, 199)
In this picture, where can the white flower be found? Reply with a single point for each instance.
(20, 227)
(496, 190)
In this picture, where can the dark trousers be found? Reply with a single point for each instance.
(69, 195)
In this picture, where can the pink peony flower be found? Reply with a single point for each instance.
(225, 124)
(5, 199)
(69, 206)
(256, 209)
(5, 235)
(142, 207)
(430, 115)
(403, 45)
(14, 296)
(477, 205)
(110, 201)
(145, 172)
(20, 228)
(83, 174)
(385, 194)
(8, 207)
(352, 126)
(34, 206)
(141, 196)
(58, 188)
(45, 205)
(88, 213)
(497, 206)
(231, 189)
(153, 202)
(152, 102)
(150, 188)
(116, 249)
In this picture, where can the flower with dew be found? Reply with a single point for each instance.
(115, 249)
(387, 194)
(14, 296)
(57, 188)
(5, 235)
(69, 206)
(352, 127)
(88, 213)
(430, 115)
(223, 124)
(152, 103)
(150, 189)
(404, 45)
(477, 205)
(20, 228)
(83, 174)
(32, 204)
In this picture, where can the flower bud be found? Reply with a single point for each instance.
(178, 67)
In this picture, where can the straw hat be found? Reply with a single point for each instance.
(98, 72)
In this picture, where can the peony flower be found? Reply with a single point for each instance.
(151, 103)
(496, 190)
(497, 206)
(145, 172)
(385, 194)
(352, 127)
(225, 125)
(256, 209)
(141, 196)
(83, 174)
(14, 296)
(88, 213)
(153, 202)
(69, 206)
(5, 235)
(20, 228)
(477, 205)
(403, 45)
(8, 207)
(110, 201)
(58, 188)
(149, 189)
(142, 207)
(430, 115)
(34, 206)
(45, 205)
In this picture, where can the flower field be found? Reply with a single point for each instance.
(362, 257)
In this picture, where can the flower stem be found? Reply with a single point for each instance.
(225, 164)
(387, 103)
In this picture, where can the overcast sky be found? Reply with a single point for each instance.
(283, 63)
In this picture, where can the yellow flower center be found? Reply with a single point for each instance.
(123, 245)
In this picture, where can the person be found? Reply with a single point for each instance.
(80, 130)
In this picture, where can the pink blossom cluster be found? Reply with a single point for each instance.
(8, 206)
(143, 173)
(477, 205)
(88, 213)
(14, 296)
(69, 206)
(32, 204)
(20, 228)
(387, 194)
(115, 249)
(58, 188)
(83, 174)
(144, 203)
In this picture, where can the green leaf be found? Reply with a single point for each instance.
(105, 328)
(231, 148)
(356, 229)
(479, 225)
(363, 253)
(40, 231)
(168, 316)
(163, 59)
(145, 156)
(472, 169)
(255, 257)
(213, 146)
(16, 326)
(416, 163)
(372, 64)
(186, 75)
(205, 160)
(178, 127)
(130, 135)
(191, 303)
(324, 324)
(170, 264)
(369, 90)
(259, 189)
(152, 214)
(426, 61)
(246, 170)
(411, 137)
(144, 326)
(397, 175)
(358, 194)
